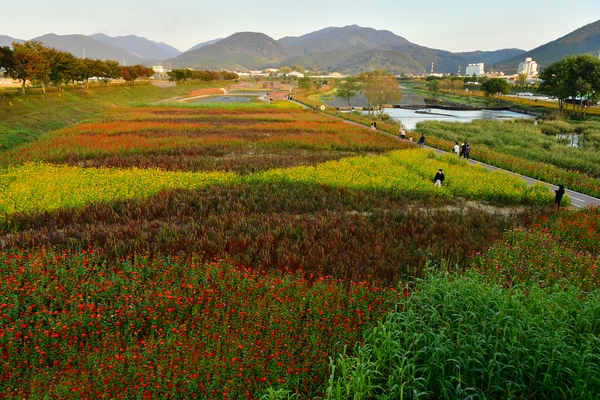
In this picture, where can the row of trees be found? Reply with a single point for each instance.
(33, 62)
(182, 75)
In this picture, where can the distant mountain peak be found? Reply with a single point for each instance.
(585, 40)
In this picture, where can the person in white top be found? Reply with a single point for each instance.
(456, 148)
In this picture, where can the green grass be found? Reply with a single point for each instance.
(519, 139)
(25, 118)
(459, 337)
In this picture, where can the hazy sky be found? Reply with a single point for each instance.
(458, 25)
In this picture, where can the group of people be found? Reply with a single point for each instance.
(464, 150)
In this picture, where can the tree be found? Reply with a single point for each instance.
(495, 87)
(348, 88)
(305, 83)
(573, 80)
(29, 63)
(132, 72)
(7, 59)
(93, 68)
(76, 71)
(434, 86)
(446, 84)
(285, 70)
(458, 84)
(521, 80)
(380, 89)
(111, 70)
(59, 67)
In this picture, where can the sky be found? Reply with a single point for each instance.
(457, 25)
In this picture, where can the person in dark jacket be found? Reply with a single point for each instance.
(422, 140)
(439, 178)
(559, 195)
(467, 151)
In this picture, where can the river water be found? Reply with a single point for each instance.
(410, 118)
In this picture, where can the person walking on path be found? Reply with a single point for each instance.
(467, 151)
(456, 149)
(402, 133)
(439, 178)
(422, 141)
(559, 195)
(462, 149)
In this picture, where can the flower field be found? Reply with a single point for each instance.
(562, 251)
(411, 171)
(237, 252)
(74, 326)
(523, 148)
(173, 135)
(41, 187)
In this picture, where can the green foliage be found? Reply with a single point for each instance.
(305, 83)
(553, 128)
(524, 149)
(186, 74)
(494, 87)
(460, 337)
(574, 79)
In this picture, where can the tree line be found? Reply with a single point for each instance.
(45, 66)
(182, 75)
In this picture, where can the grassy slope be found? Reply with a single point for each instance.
(26, 118)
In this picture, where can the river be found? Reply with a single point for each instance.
(409, 117)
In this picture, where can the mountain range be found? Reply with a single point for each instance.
(349, 50)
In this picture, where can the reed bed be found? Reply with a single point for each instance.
(522, 148)
(459, 337)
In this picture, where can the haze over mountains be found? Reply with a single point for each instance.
(349, 50)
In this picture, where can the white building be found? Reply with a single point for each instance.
(528, 67)
(474, 69)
